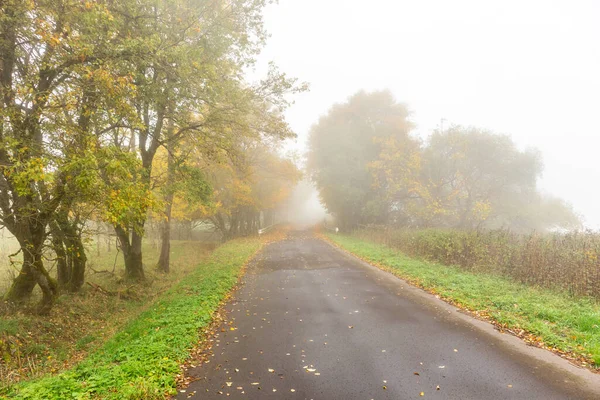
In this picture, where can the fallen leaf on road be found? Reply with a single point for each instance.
(437, 387)
(271, 370)
(422, 394)
(416, 373)
(255, 383)
(229, 384)
(292, 390)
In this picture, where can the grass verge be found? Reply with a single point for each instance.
(142, 360)
(33, 346)
(557, 321)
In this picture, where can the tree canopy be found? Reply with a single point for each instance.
(370, 169)
(90, 91)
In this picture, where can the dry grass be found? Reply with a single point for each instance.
(569, 262)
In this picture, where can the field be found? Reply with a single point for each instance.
(32, 346)
(549, 318)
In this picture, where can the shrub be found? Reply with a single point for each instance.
(567, 261)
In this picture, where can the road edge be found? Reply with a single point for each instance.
(589, 381)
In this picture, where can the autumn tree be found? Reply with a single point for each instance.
(187, 61)
(50, 50)
(466, 178)
(251, 180)
(343, 144)
(183, 189)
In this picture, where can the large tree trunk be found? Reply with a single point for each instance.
(68, 246)
(165, 250)
(23, 284)
(134, 267)
(33, 272)
(132, 253)
(63, 270)
(77, 261)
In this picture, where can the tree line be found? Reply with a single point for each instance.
(371, 169)
(118, 110)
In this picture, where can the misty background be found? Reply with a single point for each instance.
(526, 69)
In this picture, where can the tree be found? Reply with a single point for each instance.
(188, 61)
(467, 178)
(249, 181)
(49, 50)
(476, 175)
(342, 145)
(183, 188)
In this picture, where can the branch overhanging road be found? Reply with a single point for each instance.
(311, 322)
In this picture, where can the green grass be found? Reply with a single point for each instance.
(141, 361)
(33, 346)
(567, 323)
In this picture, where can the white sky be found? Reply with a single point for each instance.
(528, 68)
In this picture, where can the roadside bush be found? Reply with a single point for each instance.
(566, 261)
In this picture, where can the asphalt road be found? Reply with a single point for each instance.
(311, 322)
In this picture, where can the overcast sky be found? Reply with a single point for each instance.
(528, 68)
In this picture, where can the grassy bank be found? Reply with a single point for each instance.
(555, 320)
(32, 346)
(142, 359)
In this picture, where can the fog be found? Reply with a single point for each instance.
(526, 69)
(304, 209)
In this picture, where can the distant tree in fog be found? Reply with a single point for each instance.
(369, 169)
(342, 145)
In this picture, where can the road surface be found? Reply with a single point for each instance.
(312, 322)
